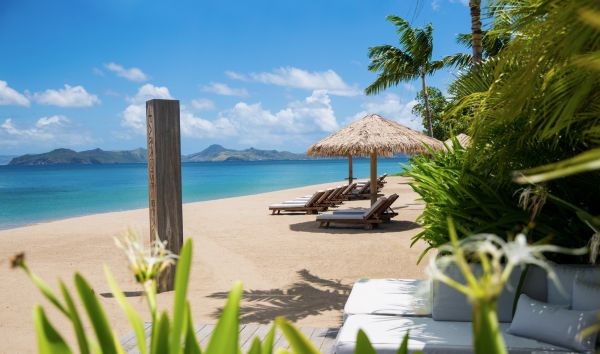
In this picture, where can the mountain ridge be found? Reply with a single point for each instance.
(96, 156)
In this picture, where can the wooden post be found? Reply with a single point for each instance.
(164, 179)
(350, 178)
(373, 184)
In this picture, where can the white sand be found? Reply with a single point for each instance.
(290, 266)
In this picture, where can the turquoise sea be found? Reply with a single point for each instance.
(30, 194)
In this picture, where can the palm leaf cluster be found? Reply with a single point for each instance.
(535, 102)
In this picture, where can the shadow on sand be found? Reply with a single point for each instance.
(126, 293)
(310, 295)
(393, 226)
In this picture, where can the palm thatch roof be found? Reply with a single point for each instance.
(374, 134)
(463, 139)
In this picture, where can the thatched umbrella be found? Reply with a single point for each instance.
(373, 136)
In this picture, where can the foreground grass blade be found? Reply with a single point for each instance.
(96, 315)
(75, 320)
(267, 345)
(404, 346)
(363, 344)
(160, 344)
(255, 348)
(46, 291)
(49, 340)
(182, 277)
(134, 319)
(224, 339)
(191, 342)
(298, 342)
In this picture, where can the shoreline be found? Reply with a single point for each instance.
(235, 238)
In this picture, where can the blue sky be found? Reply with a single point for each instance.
(266, 74)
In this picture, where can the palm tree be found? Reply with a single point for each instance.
(476, 33)
(409, 62)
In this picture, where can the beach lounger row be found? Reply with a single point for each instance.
(319, 201)
(378, 213)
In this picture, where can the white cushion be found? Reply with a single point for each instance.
(426, 335)
(287, 206)
(405, 297)
(340, 217)
(553, 323)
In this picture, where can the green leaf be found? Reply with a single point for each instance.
(224, 339)
(282, 351)
(269, 341)
(96, 315)
(75, 320)
(182, 277)
(47, 292)
(404, 345)
(255, 348)
(160, 337)
(134, 318)
(191, 342)
(363, 344)
(298, 342)
(584, 162)
(49, 340)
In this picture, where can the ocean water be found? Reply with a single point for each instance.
(31, 194)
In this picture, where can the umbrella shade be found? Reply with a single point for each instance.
(463, 139)
(374, 136)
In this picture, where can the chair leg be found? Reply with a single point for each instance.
(369, 227)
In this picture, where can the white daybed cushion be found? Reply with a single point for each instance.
(426, 335)
(335, 217)
(397, 297)
(287, 206)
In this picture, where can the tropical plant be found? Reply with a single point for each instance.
(443, 128)
(535, 103)
(175, 333)
(412, 60)
(477, 203)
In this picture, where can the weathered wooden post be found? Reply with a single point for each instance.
(164, 179)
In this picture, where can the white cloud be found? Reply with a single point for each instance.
(131, 74)
(463, 2)
(435, 5)
(46, 131)
(409, 87)
(392, 107)
(69, 96)
(97, 72)
(236, 76)
(10, 96)
(203, 104)
(224, 89)
(250, 123)
(134, 116)
(328, 80)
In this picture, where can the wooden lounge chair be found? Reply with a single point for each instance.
(309, 207)
(387, 214)
(323, 201)
(346, 193)
(368, 218)
(363, 192)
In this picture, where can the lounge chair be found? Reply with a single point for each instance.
(325, 200)
(311, 206)
(346, 193)
(368, 218)
(363, 191)
(387, 214)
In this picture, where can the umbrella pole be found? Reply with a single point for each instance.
(373, 185)
(349, 169)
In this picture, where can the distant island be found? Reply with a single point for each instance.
(99, 156)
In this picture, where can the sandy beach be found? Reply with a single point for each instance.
(288, 265)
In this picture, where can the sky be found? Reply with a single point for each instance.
(266, 74)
